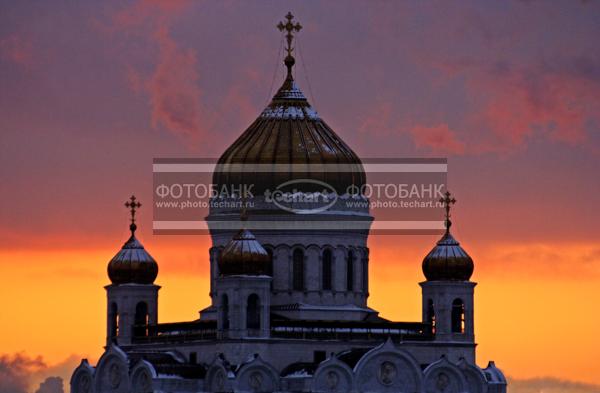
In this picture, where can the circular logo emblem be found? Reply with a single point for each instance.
(303, 196)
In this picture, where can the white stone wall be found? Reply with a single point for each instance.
(313, 293)
(383, 368)
(443, 293)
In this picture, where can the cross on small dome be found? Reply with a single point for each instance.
(448, 261)
(448, 200)
(132, 205)
(132, 264)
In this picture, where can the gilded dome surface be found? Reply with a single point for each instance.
(287, 135)
(244, 255)
(448, 261)
(132, 264)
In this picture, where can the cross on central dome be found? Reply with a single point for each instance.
(289, 131)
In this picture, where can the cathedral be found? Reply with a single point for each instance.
(289, 309)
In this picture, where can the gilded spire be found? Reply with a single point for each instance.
(132, 205)
(447, 201)
(290, 27)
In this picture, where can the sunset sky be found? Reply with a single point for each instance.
(91, 92)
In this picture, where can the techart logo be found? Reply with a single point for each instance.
(293, 196)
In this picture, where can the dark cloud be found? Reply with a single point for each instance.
(51, 385)
(20, 373)
(15, 371)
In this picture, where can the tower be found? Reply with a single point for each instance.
(448, 292)
(132, 296)
(243, 288)
(319, 272)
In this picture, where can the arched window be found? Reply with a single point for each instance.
(458, 316)
(219, 252)
(140, 327)
(365, 274)
(270, 252)
(350, 271)
(298, 270)
(326, 273)
(225, 312)
(431, 315)
(253, 312)
(114, 320)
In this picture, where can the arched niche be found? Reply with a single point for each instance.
(82, 380)
(257, 376)
(217, 379)
(112, 372)
(388, 369)
(142, 377)
(333, 376)
(474, 377)
(444, 377)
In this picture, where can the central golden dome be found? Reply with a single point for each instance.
(287, 135)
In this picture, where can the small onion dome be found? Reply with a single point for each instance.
(244, 255)
(132, 264)
(447, 261)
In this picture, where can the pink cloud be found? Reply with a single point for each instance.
(16, 49)
(173, 87)
(520, 104)
(438, 139)
(143, 11)
(378, 120)
(511, 104)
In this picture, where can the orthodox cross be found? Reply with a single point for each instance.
(290, 27)
(447, 201)
(132, 205)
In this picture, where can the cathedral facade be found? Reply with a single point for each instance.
(289, 308)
